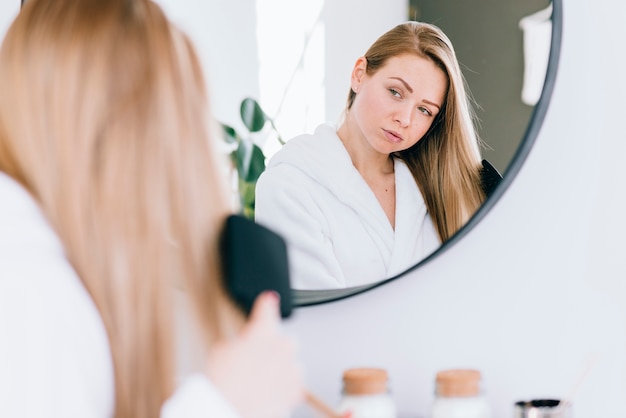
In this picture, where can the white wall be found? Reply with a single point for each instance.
(295, 58)
(538, 288)
(8, 10)
(224, 34)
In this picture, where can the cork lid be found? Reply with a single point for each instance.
(364, 381)
(458, 383)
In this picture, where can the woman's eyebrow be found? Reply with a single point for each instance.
(431, 103)
(406, 86)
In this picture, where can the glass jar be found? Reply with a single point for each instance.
(366, 394)
(458, 394)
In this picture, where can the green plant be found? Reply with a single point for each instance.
(247, 157)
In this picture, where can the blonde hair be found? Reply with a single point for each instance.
(446, 162)
(104, 119)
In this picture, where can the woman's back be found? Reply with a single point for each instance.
(54, 357)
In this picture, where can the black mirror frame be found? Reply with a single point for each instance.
(304, 298)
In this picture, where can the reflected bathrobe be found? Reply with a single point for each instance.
(337, 233)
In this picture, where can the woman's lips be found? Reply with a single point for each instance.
(393, 136)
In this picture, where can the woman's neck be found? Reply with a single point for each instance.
(365, 159)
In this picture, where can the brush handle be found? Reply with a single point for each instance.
(321, 406)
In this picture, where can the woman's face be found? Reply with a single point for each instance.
(396, 106)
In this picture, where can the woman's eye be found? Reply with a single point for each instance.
(394, 92)
(424, 111)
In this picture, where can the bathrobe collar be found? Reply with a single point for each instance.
(324, 158)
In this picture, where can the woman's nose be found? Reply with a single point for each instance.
(403, 115)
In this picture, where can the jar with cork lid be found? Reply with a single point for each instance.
(458, 394)
(366, 394)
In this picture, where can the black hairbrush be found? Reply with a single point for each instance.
(254, 259)
(490, 177)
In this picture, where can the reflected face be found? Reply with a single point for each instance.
(395, 106)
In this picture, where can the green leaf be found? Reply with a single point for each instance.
(250, 161)
(242, 156)
(230, 135)
(257, 164)
(252, 115)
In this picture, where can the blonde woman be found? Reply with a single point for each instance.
(110, 200)
(399, 176)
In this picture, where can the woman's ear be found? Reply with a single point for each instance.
(358, 73)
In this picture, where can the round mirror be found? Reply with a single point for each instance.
(512, 92)
(294, 59)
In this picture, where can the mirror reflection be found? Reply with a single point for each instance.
(398, 176)
(336, 194)
(299, 71)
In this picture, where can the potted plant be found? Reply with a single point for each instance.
(247, 157)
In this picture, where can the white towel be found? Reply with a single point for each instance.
(537, 29)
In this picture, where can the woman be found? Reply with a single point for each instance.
(111, 200)
(398, 177)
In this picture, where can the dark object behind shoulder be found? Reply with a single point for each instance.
(490, 177)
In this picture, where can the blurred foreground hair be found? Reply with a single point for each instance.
(104, 119)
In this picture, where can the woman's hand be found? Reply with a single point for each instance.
(257, 371)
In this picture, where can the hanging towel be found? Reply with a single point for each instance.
(537, 36)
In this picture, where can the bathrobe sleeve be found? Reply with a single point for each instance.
(287, 202)
(197, 398)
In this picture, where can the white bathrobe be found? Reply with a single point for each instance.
(55, 359)
(337, 233)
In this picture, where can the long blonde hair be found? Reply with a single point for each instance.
(446, 162)
(104, 119)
